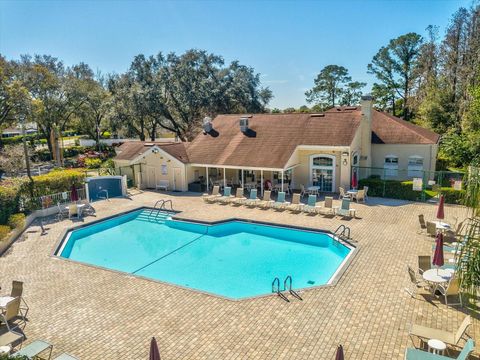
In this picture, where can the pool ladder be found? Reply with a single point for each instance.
(288, 281)
(342, 232)
(159, 206)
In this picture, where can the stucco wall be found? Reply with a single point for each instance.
(403, 152)
(152, 171)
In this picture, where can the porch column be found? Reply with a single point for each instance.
(242, 177)
(224, 179)
(208, 181)
(261, 182)
(282, 179)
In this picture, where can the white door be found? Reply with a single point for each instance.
(151, 178)
(322, 172)
(177, 179)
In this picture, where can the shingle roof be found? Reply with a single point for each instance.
(132, 149)
(271, 140)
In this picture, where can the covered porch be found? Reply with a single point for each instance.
(205, 177)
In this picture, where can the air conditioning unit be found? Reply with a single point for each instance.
(244, 124)
(207, 124)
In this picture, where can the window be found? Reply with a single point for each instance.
(391, 166)
(355, 159)
(322, 161)
(415, 166)
(164, 170)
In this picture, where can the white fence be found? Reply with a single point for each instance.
(65, 197)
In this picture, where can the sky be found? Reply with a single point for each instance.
(287, 42)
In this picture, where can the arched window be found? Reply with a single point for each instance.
(391, 165)
(415, 166)
(322, 172)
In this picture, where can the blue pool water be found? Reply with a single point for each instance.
(234, 259)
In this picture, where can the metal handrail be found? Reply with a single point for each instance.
(345, 231)
(276, 289)
(290, 290)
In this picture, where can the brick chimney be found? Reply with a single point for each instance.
(366, 131)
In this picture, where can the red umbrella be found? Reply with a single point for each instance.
(339, 355)
(354, 180)
(73, 193)
(438, 256)
(440, 210)
(154, 353)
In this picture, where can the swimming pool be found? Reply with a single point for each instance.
(235, 259)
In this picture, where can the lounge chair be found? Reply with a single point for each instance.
(345, 209)
(72, 210)
(239, 196)
(296, 204)
(210, 197)
(303, 192)
(253, 199)
(431, 228)
(280, 203)
(227, 195)
(65, 356)
(10, 312)
(311, 206)
(328, 205)
(424, 263)
(414, 282)
(365, 188)
(35, 348)
(88, 209)
(449, 338)
(266, 202)
(451, 289)
(423, 226)
(416, 354)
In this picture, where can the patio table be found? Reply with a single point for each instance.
(313, 190)
(4, 300)
(442, 225)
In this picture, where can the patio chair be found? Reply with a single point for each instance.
(88, 209)
(210, 197)
(280, 203)
(10, 337)
(303, 192)
(451, 289)
(365, 188)
(415, 283)
(296, 204)
(311, 206)
(266, 202)
(10, 312)
(417, 354)
(345, 209)
(62, 212)
(453, 235)
(424, 263)
(431, 229)
(449, 338)
(17, 291)
(360, 196)
(32, 350)
(253, 199)
(343, 193)
(72, 210)
(328, 205)
(227, 195)
(239, 196)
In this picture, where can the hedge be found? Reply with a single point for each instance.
(10, 193)
(4, 231)
(16, 221)
(403, 190)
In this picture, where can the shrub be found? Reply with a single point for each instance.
(93, 163)
(4, 231)
(16, 221)
(10, 192)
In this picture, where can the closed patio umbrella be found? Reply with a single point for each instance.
(441, 205)
(154, 353)
(438, 255)
(354, 180)
(73, 193)
(339, 355)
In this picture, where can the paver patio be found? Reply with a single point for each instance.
(101, 314)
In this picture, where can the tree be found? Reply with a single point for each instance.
(395, 66)
(328, 86)
(382, 66)
(352, 94)
(12, 160)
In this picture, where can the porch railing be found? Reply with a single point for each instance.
(65, 197)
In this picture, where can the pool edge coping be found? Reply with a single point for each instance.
(334, 279)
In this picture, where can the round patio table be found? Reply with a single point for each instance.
(442, 225)
(313, 190)
(438, 276)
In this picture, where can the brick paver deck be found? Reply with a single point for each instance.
(100, 314)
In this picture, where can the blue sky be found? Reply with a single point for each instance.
(288, 42)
